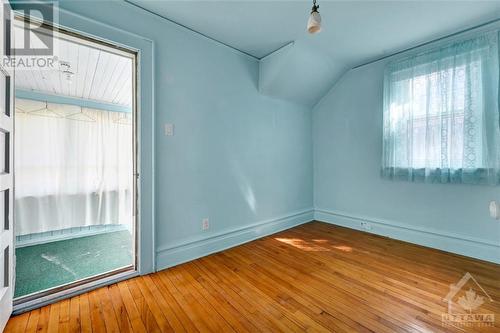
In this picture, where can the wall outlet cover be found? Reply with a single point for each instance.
(494, 210)
(205, 224)
(169, 129)
(366, 226)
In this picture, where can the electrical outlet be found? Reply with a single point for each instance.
(365, 225)
(205, 224)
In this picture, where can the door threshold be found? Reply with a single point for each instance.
(45, 297)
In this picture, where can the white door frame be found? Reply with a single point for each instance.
(7, 260)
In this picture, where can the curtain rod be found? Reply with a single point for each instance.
(426, 43)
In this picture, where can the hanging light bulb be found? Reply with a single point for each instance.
(314, 22)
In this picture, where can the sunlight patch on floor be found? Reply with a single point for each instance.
(314, 245)
(303, 245)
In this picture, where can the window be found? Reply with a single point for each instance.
(441, 114)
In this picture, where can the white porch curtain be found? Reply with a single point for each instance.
(73, 168)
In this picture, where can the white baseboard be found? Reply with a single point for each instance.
(190, 250)
(464, 245)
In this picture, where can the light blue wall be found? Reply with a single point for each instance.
(241, 159)
(348, 189)
(246, 160)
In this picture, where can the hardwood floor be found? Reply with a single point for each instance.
(315, 277)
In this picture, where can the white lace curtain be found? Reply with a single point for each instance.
(441, 114)
(73, 168)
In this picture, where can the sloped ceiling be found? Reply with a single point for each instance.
(297, 73)
(354, 32)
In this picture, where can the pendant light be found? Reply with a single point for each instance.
(314, 22)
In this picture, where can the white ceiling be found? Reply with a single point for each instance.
(99, 75)
(353, 31)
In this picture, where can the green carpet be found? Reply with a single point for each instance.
(44, 266)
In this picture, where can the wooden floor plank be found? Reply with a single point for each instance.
(120, 309)
(43, 320)
(85, 319)
(187, 324)
(253, 295)
(33, 321)
(108, 313)
(96, 313)
(64, 312)
(146, 315)
(165, 307)
(234, 295)
(314, 277)
(224, 308)
(18, 323)
(343, 290)
(186, 305)
(206, 311)
(74, 315)
(153, 306)
(132, 311)
(53, 324)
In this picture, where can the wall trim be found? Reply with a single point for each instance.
(176, 254)
(445, 241)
